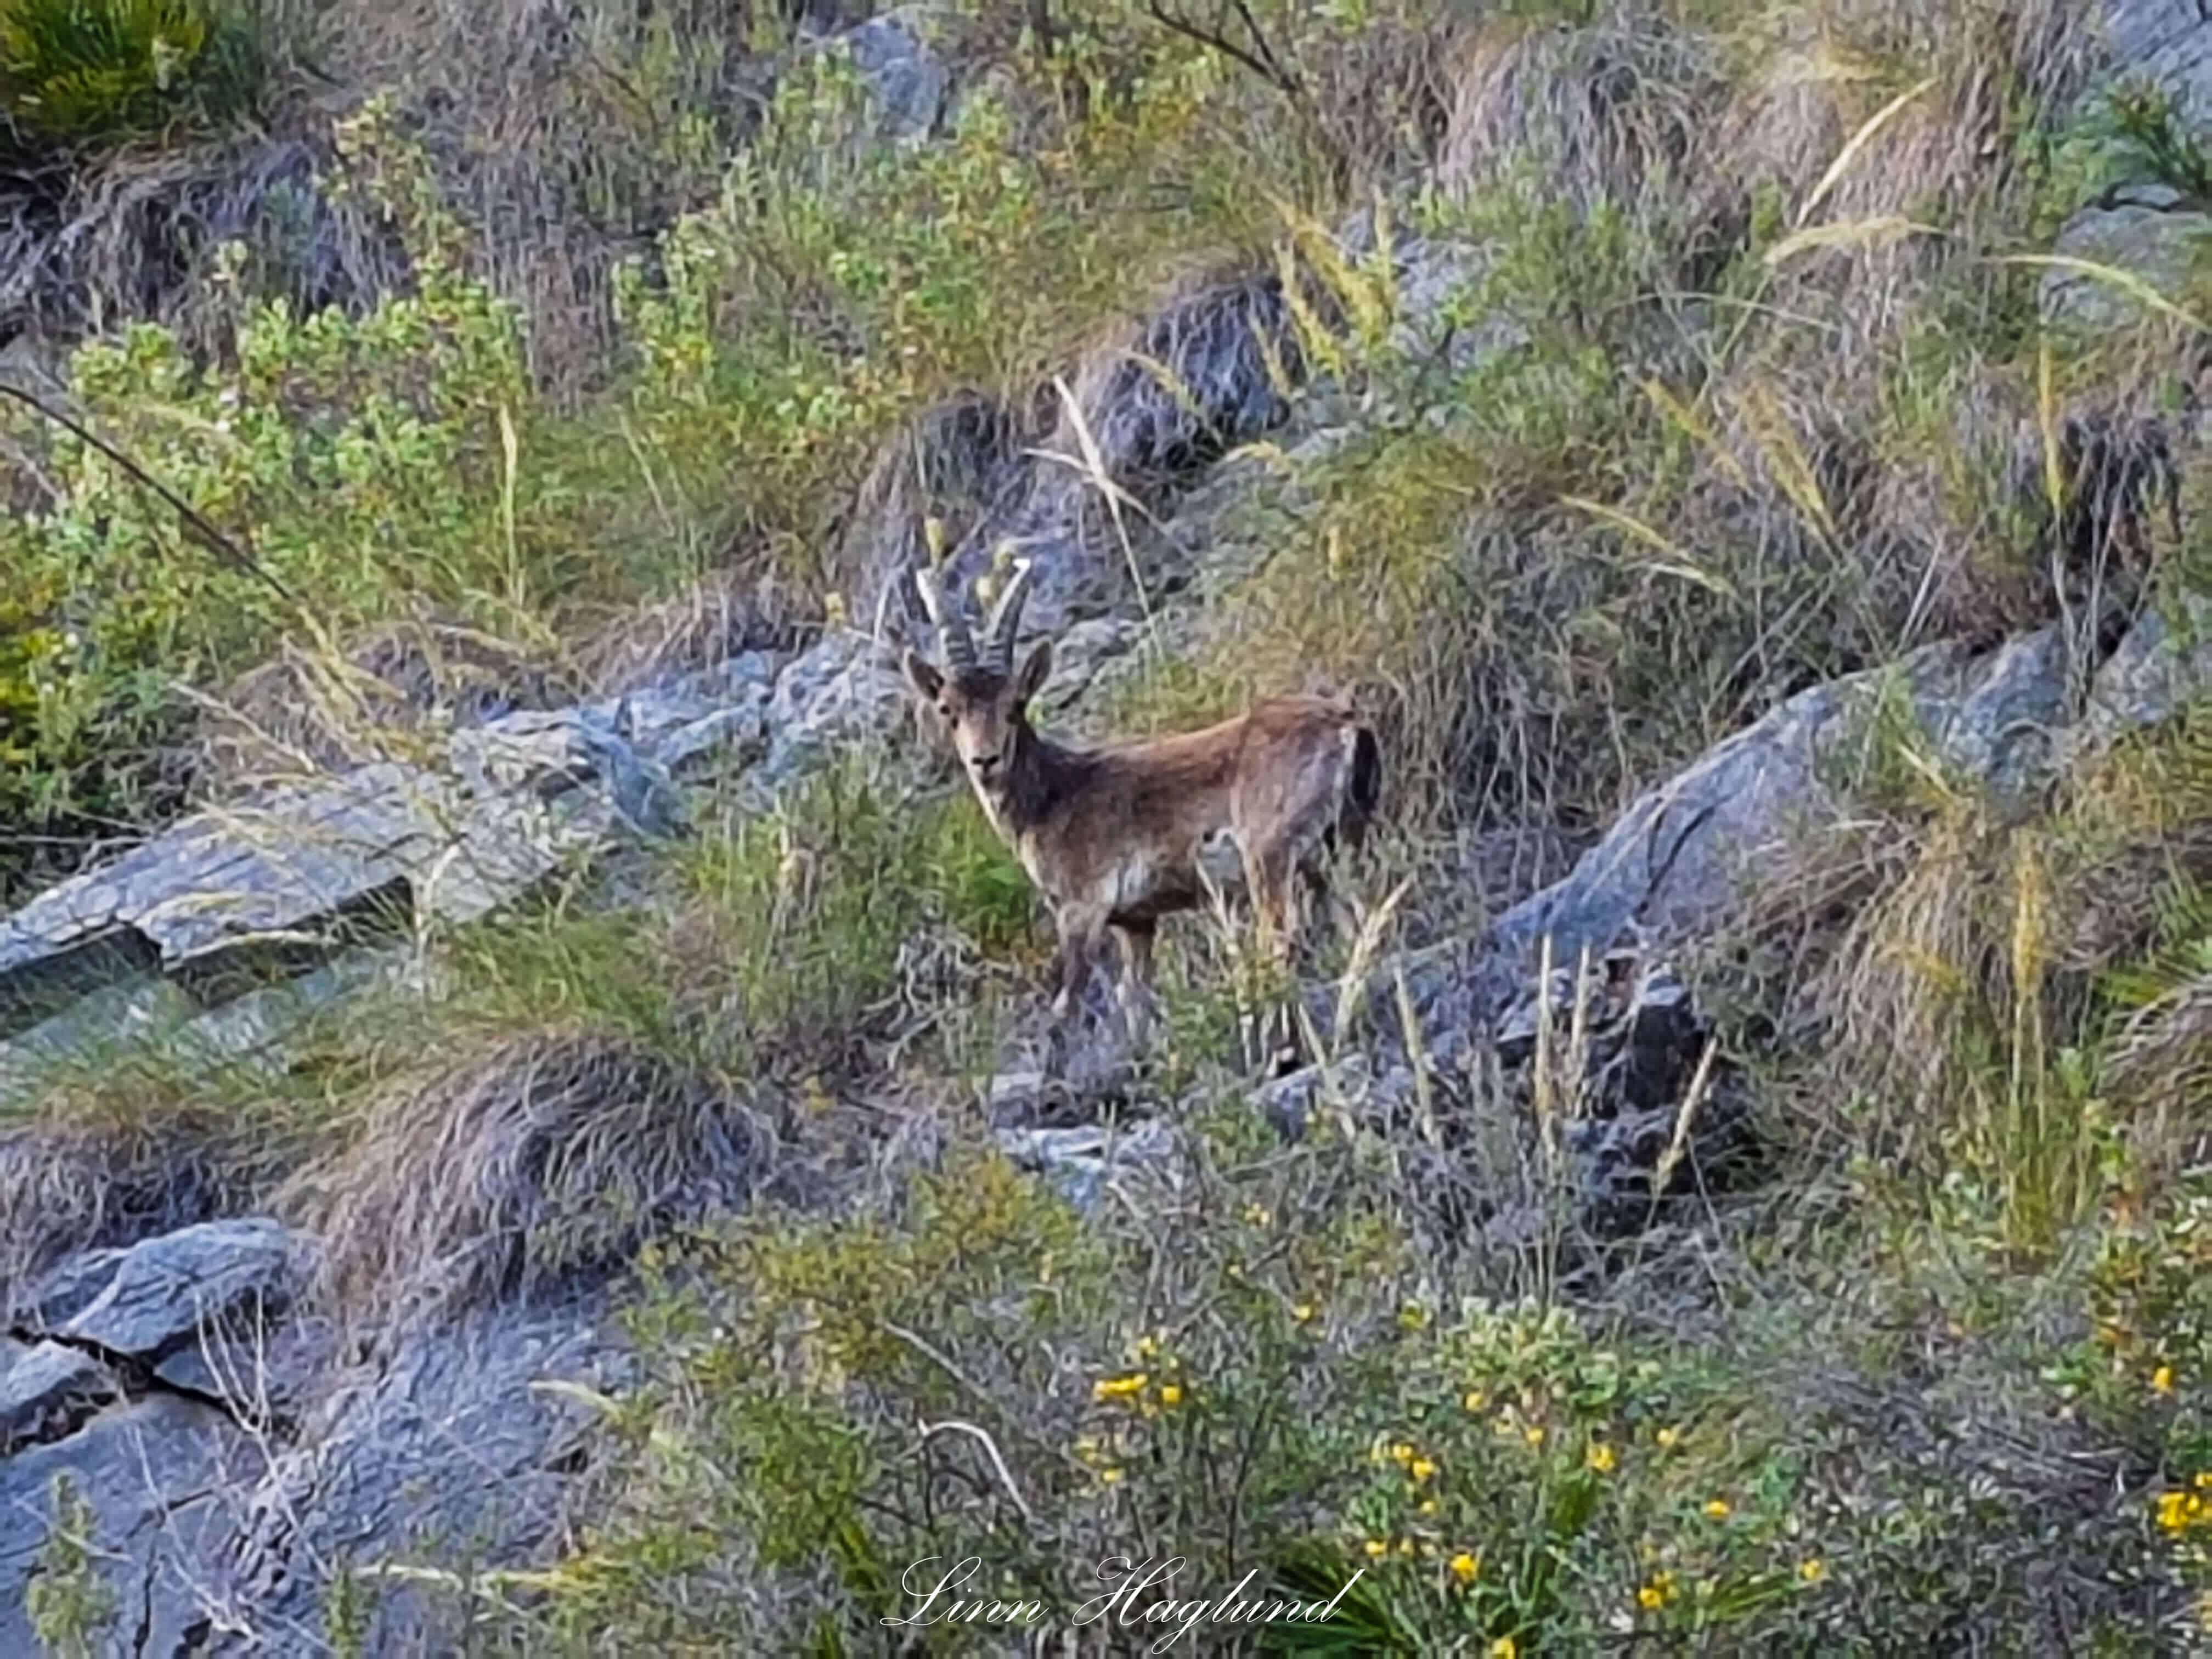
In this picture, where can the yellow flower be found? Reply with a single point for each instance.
(1376, 1549)
(1505, 1648)
(1420, 1469)
(1599, 1457)
(2179, 1509)
(1473, 1401)
(1717, 1509)
(1303, 1313)
(1404, 1547)
(1464, 1566)
(1426, 1506)
(1649, 1598)
(1146, 1347)
(1258, 1215)
(1812, 1571)
(1171, 1395)
(1666, 1437)
(1533, 1434)
(1403, 1452)
(2161, 1380)
(2203, 1480)
(1109, 1475)
(1119, 1388)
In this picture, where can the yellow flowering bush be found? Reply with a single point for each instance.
(1521, 1464)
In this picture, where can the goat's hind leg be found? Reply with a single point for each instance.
(1135, 988)
(1277, 913)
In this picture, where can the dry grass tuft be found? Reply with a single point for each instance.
(1914, 959)
(514, 1158)
(956, 462)
(724, 615)
(136, 238)
(108, 1159)
(306, 711)
(1924, 102)
(2164, 1056)
(1600, 113)
(499, 93)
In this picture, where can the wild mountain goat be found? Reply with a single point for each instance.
(1122, 836)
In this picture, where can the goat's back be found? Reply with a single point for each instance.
(1308, 771)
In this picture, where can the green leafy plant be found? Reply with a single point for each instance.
(2151, 134)
(361, 460)
(70, 1605)
(76, 73)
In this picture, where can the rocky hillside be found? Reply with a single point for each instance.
(531, 1119)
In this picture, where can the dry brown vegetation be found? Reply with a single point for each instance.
(504, 1165)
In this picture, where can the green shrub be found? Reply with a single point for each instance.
(76, 73)
(360, 460)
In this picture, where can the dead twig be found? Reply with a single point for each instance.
(1259, 57)
(223, 546)
(991, 1447)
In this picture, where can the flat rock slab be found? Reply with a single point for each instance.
(284, 877)
(1680, 857)
(48, 1387)
(460, 1440)
(152, 1474)
(161, 1293)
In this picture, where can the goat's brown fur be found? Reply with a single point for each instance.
(1120, 837)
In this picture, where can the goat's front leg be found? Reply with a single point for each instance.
(1081, 933)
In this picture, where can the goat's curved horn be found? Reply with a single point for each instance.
(1006, 619)
(952, 627)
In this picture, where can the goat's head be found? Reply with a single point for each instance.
(980, 697)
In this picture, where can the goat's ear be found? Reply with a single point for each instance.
(1035, 672)
(926, 679)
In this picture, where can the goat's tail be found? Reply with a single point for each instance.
(1362, 792)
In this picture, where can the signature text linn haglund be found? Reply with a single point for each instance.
(942, 1603)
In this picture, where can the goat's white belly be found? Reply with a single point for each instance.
(1136, 878)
